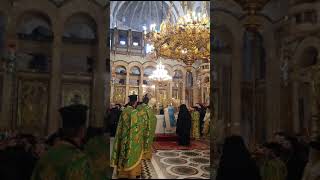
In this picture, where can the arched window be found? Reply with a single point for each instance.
(80, 27)
(35, 26)
(135, 71)
(189, 78)
(148, 70)
(121, 70)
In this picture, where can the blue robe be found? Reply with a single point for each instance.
(171, 116)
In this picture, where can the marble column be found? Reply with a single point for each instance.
(183, 99)
(236, 89)
(127, 86)
(7, 121)
(55, 83)
(98, 99)
(170, 85)
(140, 84)
(295, 106)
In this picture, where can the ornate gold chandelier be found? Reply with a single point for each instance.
(188, 40)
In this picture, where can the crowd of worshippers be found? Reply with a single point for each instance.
(133, 137)
(73, 152)
(134, 129)
(194, 119)
(284, 158)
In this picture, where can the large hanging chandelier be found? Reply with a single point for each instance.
(186, 40)
(160, 74)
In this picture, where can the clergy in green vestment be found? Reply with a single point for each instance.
(128, 143)
(149, 123)
(195, 128)
(66, 160)
(273, 168)
(96, 148)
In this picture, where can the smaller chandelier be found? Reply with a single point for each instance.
(160, 74)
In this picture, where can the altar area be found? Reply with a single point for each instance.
(164, 126)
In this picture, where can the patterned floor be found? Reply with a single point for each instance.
(176, 164)
(182, 164)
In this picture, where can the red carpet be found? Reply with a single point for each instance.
(172, 145)
(166, 137)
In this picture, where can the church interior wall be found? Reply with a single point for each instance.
(63, 34)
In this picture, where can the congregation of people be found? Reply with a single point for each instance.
(133, 128)
(284, 158)
(72, 152)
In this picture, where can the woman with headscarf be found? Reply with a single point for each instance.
(183, 126)
(236, 162)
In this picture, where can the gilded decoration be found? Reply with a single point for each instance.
(119, 96)
(133, 91)
(76, 94)
(32, 104)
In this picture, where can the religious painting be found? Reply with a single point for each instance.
(119, 95)
(32, 105)
(163, 97)
(148, 90)
(133, 91)
(75, 93)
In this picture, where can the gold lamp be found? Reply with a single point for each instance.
(187, 40)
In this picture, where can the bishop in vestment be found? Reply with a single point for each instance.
(149, 126)
(127, 150)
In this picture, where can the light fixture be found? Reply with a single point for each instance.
(186, 40)
(160, 74)
(135, 44)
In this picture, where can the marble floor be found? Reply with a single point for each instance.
(176, 164)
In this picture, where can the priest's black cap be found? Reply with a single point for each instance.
(74, 116)
(133, 98)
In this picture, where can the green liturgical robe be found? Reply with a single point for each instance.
(128, 143)
(96, 150)
(195, 130)
(149, 123)
(273, 169)
(63, 162)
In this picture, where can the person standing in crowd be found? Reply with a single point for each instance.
(272, 167)
(202, 112)
(150, 122)
(96, 150)
(206, 126)
(183, 126)
(312, 169)
(67, 160)
(113, 118)
(236, 162)
(195, 129)
(294, 159)
(128, 143)
(171, 115)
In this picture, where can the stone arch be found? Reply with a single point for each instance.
(307, 43)
(120, 63)
(24, 7)
(150, 63)
(35, 23)
(135, 63)
(80, 25)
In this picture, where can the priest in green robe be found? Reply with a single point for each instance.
(149, 123)
(66, 160)
(96, 148)
(127, 150)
